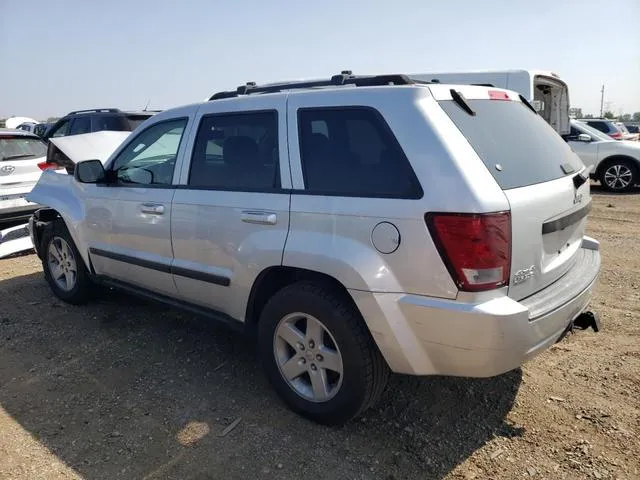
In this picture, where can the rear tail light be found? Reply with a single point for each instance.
(476, 248)
(48, 166)
(616, 135)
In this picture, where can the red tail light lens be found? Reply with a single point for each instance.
(476, 248)
(616, 135)
(48, 166)
(498, 95)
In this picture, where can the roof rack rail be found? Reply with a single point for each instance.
(95, 110)
(345, 77)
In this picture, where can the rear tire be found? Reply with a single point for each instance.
(63, 266)
(619, 175)
(314, 335)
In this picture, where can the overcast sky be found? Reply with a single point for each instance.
(73, 54)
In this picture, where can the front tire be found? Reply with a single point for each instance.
(319, 355)
(619, 175)
(63, 266)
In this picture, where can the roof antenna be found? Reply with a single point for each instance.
(146, 106)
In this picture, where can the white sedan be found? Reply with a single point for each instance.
(615, 163)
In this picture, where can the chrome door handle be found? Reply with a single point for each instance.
(260, 218)
(153, 208)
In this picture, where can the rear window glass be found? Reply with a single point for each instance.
(109, 122)
(136, 120)
(517, 146)
(15, 148)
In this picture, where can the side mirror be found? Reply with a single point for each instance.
(583, 137)
(90, 171)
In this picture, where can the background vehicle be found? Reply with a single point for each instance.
(605, 126)
(28, 127)
(633, 128)
(615, 164)
(20, 154)
(41, 128)
(359, 224)
(88, 121)
(545, 90)
(626, 134)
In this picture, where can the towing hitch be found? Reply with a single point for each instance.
(586, 320)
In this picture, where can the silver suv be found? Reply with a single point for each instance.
(361, 225)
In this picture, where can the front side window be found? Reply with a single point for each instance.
(352, 152)
(237, 151)
(150, 158)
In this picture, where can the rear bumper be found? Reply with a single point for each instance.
(425, 336)
(16, 209)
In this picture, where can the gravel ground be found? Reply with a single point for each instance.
(127, 389)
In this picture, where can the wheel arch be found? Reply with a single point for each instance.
(275, 278)
(605, 162)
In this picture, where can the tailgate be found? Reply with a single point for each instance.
(548, 223)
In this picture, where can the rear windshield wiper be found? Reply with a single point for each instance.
(462, 102)
(526, 102)
(22, 155)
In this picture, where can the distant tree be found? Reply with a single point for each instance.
(52, 119)
(588, 115)
(625, 117)
(609, 114)
(636, 117)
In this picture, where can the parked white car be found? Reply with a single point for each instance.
(615, 163)
(20, 154)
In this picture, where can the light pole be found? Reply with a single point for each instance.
(601, 100)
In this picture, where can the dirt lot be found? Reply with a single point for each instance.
(125, 389)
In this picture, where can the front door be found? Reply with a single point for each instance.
(139, 250)
(231, 210)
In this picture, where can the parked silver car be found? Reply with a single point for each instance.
(360, 224)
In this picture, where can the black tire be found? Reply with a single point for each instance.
(83, 287)
(628, 168)
(365, 372)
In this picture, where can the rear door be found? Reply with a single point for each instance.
(231, 209)
(540, 176)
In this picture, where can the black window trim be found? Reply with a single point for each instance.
(278, 189)
(170, 186)
(418, 192)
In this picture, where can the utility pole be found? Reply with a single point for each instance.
(601, 100)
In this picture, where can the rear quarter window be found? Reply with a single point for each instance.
(351, 151)
(517, 146)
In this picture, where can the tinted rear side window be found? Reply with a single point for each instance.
(352, 152)
(517, 146)
(135, 120)
(109, 122)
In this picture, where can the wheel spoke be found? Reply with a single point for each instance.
(56, 271)
(314, 331)
(65, 250)
(330, 360)
(293, 368)
(55, 252)
(290, 334)
(319, 384)
(69, 279)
